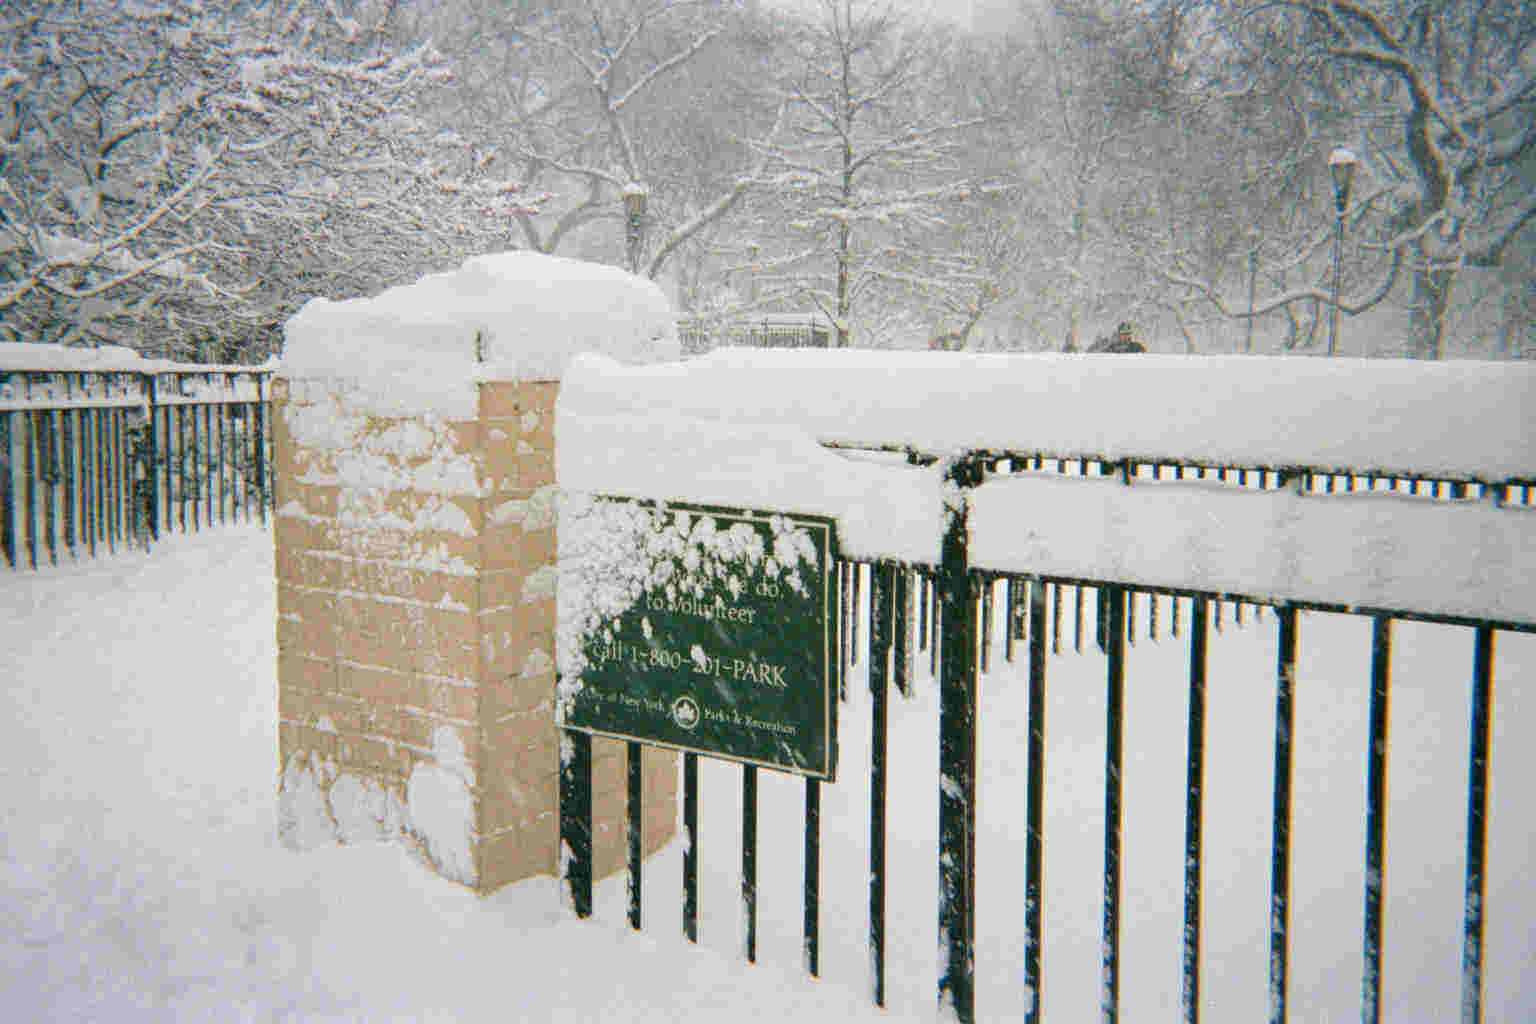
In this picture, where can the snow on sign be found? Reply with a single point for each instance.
(701, 628)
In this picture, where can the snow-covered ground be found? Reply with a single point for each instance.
(141, 877)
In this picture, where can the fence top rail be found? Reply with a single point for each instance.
(1021, 460)
(38, 390)
(24, 357)
(1433, 420)
(751, 430)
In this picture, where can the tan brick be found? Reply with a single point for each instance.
(504, 441)
(502, 484)
(658, 828)
(365, 644)
(517, 854)
(304, 603)
(501, 549)
(517, 694)
(289, 600)
(415, 728)
(516, 737)
(419, 506)
(505, 801)
(367, 755)
(292, 533)
(304, 739)
(315, 499)
(448, 700)
(605, 753)
(422, 586)
(539, 617)
(467, 435)
(538, 548)
(348, 715)
(408, 637)
(540, 395)
(296, 705)
(537, 429)
(500, 399)
(501, 589)
(380, 687)
(312, 637)
(535, 469)
(507, 641)
(382, 543)
(304, 673)
(514, 464)
(293, 565)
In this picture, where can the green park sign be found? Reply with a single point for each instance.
(721, 642)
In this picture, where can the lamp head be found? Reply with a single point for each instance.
(1341, 165)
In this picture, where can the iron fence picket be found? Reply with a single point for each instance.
(209, 465)
(181, 465)
(691, 846)
(984, 641)
(198, 444)
(812, 887)
(1475, 889)
(1280, 858)
(48, 460)
(634, 823)
(1194, 811)
(957, 758)
(1034, 807)
(1375, 818)
(1010, 616)
(98, 478)
(120, 480)
(900, 636)
(576, 819)
(749, 859)
(67, 467)
(880, 668)
(7, 479)
(31, 482)
(1115, 599)
(948, 609)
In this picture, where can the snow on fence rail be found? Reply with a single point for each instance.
(958, 482)
(99, 447)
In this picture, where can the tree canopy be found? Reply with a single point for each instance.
(180, 177)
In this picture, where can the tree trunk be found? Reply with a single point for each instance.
(845, 239)
(1426, 323)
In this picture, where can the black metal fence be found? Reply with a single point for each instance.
(947, 612)
(94, 459)
(698, 337)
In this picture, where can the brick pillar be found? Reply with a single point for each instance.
(416, 615)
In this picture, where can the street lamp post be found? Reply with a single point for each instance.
(1341, 165)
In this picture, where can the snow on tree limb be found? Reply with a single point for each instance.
(155, 139)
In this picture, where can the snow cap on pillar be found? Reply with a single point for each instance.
(421, 348)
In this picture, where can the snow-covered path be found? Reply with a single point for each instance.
(141, 878)
(140, 874)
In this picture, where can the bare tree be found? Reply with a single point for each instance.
(180, 177)
(644, 112)
(868, 157)
(1439, 101)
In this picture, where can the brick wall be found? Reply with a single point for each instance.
(416, 614)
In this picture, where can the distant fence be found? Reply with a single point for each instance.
(698, 337)
(94, 458)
